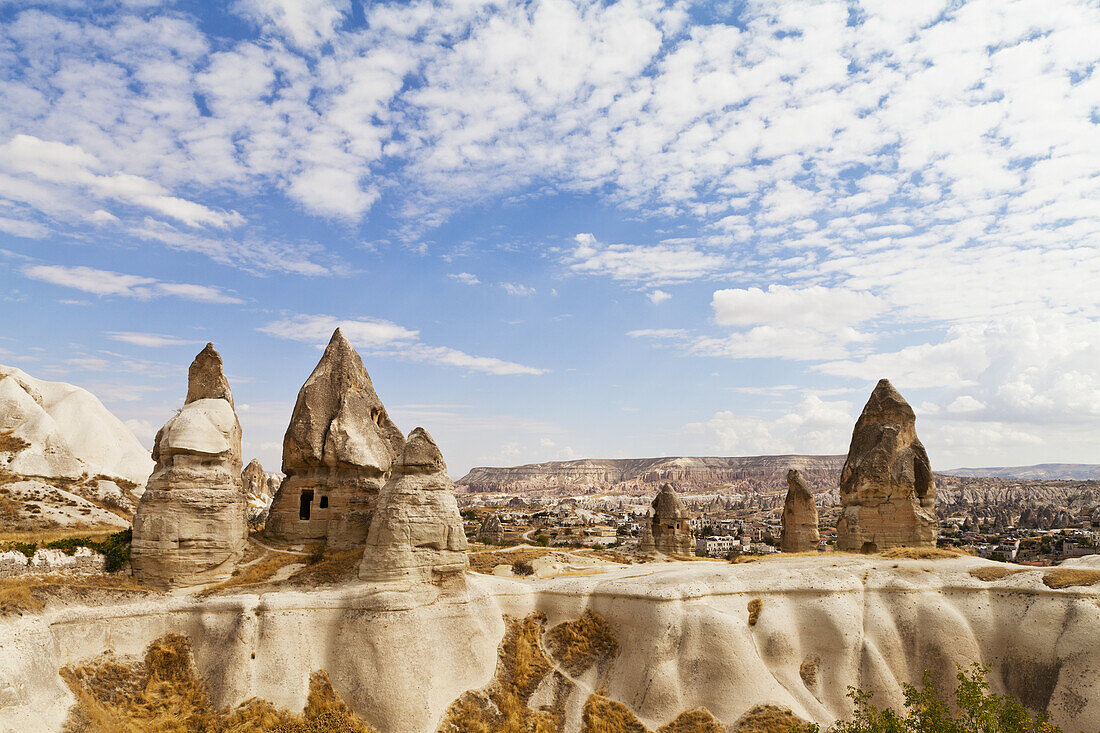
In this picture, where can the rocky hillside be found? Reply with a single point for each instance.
(746, 474)
(64, 458)
(1039, 472)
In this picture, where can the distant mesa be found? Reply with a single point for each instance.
(338, 452)
(799, 518)
(191, 525)
(744, 474)
(1038, 472)
(668, 529)
(887, 489)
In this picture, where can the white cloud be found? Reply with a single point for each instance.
(517, 289)
(813, 426)
(388, 339)
(815, 307)
(305, 22)
(660, 333)
(21, 228)
(152, 340)
(465, 278)
(105, 282)
(642, 265)
(658, 296)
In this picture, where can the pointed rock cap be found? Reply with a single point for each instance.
(338, 418)
(421, 454)
(205, 379)
(796, 485)
(887, 405)
(668, 504)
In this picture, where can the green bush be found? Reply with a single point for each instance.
(977, 710)
(116, 548)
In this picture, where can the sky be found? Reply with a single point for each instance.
(562, 229)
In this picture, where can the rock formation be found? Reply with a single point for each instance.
(669, 528)
(258, 484)
(886, 487)
(337, 453)
(191, 525)
(57, 430)
(491, 528)
(799, 516)
(416, 532)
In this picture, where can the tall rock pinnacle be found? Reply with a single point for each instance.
(800, 533)
(205, 378)
(886, 487)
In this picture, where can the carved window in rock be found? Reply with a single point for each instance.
(304, 504)
(323, 503)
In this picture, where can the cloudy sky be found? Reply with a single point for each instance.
(564, 229)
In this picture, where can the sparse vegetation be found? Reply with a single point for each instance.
(29, 593)
(693, 721)
(11, 443)
(989, 573)
(974, 710)
(602, 715)
(257, 573)
(502, 706)
(577, 645)
(522, 568)
(485, 560)
(1068, 577)
(769, 719)
(922, 553)
(755, 607)
(114, 547)
(163, 693)
(808, 671)
(332, 568)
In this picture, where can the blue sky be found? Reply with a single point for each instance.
(566, 229)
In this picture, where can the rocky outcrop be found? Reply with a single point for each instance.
(57, 430)
(491, 528)
(751, 474)
(799, 516)
(886, 487)
(416, 533)
(669, 527)
(337, 453)
(259, 490)
(191, 525)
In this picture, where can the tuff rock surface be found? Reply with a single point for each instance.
(416, 532)
(669, 528)
(338, 451)
(887, 489)
(799, 516)
(491, 528)
(191, 524)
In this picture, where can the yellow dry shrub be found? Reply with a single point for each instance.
(1069, 577)
(163, 693)
(602, 715)
(769, 719)
(331, 567)
(921, 553)
(577, 645)
(755, 607)
(257, 573)
(693, 721)
(989, 573)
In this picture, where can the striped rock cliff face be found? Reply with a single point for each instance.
(338, 451)
(887, 488)
(747, 474)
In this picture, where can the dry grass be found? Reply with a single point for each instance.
(989, 573)
(612, 556)
(11, 443)
(9, 508)
(922, 553)
(1069, 577)
(332, 567)
(693, 721)
(577, 645)
(601, 715)
(163, 693)
(755, 607)
(808, 671)
(502, 706)
(98, 532)
(258, 573)
(768, 719)
(485, 561)
(31, 592)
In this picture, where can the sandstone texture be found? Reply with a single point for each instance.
(684, 641)
(416, 533)
(491, 528)
(57, 430)
(669, 528)
(799, 517)
(748, 474)
(338, 452)
(191, 525)
(887, 489)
